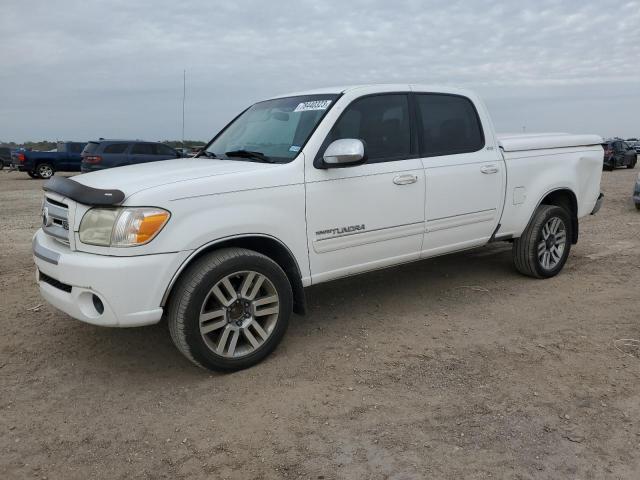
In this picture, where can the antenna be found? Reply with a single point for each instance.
(184, 95)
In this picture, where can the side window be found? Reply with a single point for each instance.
(75, 147)
(164, 150)
(381, 122)
(449, 125)
(116, 148)
(142, 149)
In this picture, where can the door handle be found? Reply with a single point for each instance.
(405, 179)
(488, 169)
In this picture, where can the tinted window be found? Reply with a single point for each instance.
(450, 125)
(91, 147)
(164, 150)
(76, 147)
(142, 149)
(116, 148)
(381, 122)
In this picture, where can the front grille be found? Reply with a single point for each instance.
(54, 283)
(55, 219)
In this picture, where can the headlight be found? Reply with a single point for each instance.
(122, 227)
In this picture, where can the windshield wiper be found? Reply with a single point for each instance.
(250, 154)
(208, 154)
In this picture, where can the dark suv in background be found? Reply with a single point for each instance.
(618, 153)
(5, 157)
(101, 154)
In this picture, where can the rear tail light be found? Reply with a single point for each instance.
(92, 159)
(21, 157)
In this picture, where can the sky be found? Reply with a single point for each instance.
(77, 70)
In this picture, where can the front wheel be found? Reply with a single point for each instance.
(544, 246)
(45, 171)
(230, 309)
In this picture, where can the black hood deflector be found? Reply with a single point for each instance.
(82, 193)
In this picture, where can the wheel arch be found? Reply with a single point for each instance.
(264, 244)
(565, 198)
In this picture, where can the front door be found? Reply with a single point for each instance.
(465, 174)
(371, 215)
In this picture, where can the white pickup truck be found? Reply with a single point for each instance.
(298, 190)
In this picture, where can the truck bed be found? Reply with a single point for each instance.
(511, 142)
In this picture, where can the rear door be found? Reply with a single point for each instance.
(164, 152)
(115, 155)
(464, 170)
(73, 159)
(142, 153)
(371, 215)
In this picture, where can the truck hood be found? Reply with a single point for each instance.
(135, 178)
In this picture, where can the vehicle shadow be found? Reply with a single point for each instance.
(146, 353)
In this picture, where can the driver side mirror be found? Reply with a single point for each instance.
(343, 153)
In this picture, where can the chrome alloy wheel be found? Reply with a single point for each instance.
(45, 171)
(552, 245)
(239, 314)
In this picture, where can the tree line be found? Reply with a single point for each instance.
(45, 145)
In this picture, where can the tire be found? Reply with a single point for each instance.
(528, 255)
(45, 171)
(632, 164)
(610, 166)
(200, 323)
(32, 174)
(638, 206)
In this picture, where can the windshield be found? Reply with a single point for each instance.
(276, 129)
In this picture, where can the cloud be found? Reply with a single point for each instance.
(81, 69)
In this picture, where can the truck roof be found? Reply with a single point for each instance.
(372, 88)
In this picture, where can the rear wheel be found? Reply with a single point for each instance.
(45, 171)
(638, 206)
(544, 246)
(632, 164)
(230, 309)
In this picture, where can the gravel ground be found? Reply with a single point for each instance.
(450, 368)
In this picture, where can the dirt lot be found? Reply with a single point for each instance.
(450, 368)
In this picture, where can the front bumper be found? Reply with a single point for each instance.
(129, 289)
(598, 204)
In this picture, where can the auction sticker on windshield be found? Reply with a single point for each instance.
(313, 105)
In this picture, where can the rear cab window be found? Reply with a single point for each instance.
(448, 125)
(75, 147)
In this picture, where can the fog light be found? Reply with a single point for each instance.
(97, 304)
